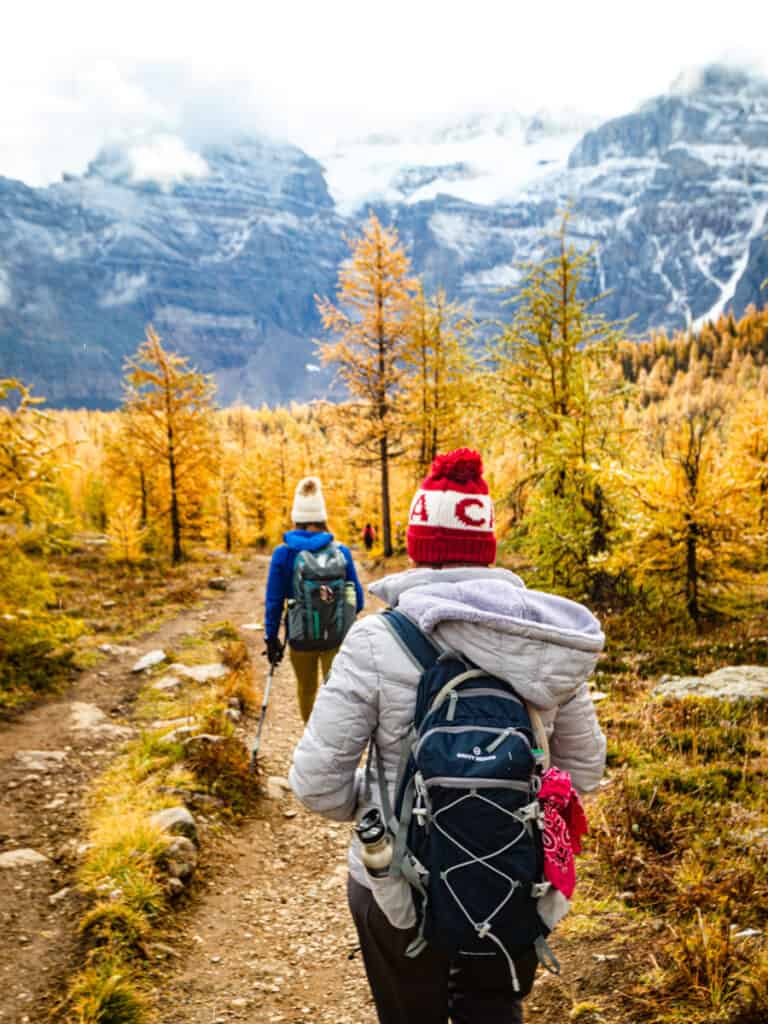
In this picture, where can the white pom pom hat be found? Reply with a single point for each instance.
(308, 501)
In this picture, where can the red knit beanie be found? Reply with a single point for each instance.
(451, 517)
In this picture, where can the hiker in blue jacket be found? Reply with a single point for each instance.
(310, 653)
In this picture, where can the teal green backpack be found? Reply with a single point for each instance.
(318, 613)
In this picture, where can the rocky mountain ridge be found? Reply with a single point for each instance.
(224, 248)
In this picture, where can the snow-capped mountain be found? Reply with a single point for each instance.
(673, 197)
(223, 248)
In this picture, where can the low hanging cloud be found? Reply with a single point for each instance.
(98, 75)
(158, 115)
(165, 159)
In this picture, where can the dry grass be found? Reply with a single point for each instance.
(122, 871)
(681, 836)
(104, 993)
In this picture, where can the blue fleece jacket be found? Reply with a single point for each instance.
(280, 580)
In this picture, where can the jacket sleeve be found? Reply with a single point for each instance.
(577, 744)
(278, 585)
(352, 577)
(324, 770)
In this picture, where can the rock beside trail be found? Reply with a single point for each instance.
(116, 650)
(200, 673)
(218, 583)
(180, 858)
(277, 787)
(177, 821)
(89, 718)
(149, 660)
(737, 682)
(167, 682)
(21, 858)
(178, 735)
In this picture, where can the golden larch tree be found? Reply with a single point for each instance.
(170, 417)
(370, 324)
(439, 363)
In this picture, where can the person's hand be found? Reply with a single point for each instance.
(274, 651)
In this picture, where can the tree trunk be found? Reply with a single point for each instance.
(228, 524)
(692, 572)
(386, 526)
(177, 554)
(143, 488)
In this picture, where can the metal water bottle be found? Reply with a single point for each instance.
(376, 844)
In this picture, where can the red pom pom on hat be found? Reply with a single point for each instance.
(462, 467)
(451, 517)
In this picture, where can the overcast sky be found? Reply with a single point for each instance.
(78, 73)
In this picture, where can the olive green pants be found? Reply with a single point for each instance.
(306, 665)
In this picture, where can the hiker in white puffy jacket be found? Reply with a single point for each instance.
(544, 646)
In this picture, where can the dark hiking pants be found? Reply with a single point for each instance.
(429, 988)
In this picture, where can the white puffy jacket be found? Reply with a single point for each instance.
(545, 646)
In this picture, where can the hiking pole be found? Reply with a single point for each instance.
(264, 703)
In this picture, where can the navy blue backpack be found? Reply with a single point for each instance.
(467, 825)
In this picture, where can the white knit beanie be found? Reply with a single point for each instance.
(308, 501)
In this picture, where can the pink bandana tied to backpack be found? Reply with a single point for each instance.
(564, 825)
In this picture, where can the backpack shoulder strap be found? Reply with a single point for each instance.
(416, 644)
(424, 654)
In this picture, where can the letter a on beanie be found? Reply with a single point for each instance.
(451, 517)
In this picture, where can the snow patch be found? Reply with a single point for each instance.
(5, 288)
(125, 289)
(179, 316)
(496, 164)
(165, 159)
(499, 277)
(459, 231)
(729, 288)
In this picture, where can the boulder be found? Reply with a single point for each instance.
(737, 682)
(177, 821)
(218, 583)
(149, 660)
(180, 858)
